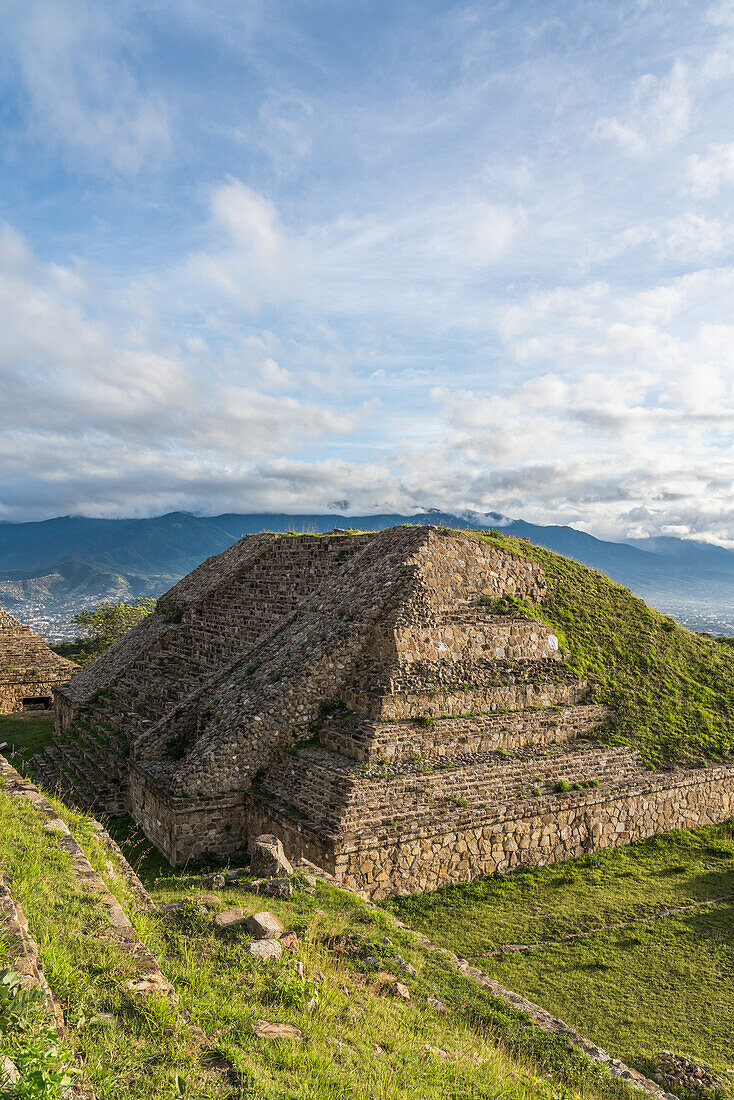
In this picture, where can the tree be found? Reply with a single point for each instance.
(104, 623)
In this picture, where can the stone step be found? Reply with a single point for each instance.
(471, 699)
(425, 674)
(103, 771)
(89, 734)
(369, 740)
(350, 798)
(65, 784)
(64, 775)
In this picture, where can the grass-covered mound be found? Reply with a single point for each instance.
(672, 690)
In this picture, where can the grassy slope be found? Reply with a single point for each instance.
(139, 1050)
(672, 691)
(643, 988)
(360, 1040)
(633, 990)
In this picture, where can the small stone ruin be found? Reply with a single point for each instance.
(28, 668)
(371, 701)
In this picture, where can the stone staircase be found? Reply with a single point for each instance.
(87, 762)
(87, 766)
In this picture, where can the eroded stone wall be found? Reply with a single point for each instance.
(29, 669)
(15, 697)
(185, 828)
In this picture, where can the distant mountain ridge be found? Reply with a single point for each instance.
(54, 567)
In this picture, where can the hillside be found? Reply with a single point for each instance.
(621, 944)
(50, 569)
(354, 1006)
(49, 601)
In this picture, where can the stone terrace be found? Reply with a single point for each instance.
(363, 697)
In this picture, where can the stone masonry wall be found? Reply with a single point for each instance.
(28, 668)
(237, 723)
(14, 695)
(448, 737)
(211, 617)
(481, 636)
(185, 828)
(472, 700)
(522, 833)
(466, 567)
(381, 799)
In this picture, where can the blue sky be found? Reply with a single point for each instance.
(273, 256)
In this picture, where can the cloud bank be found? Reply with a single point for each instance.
(493, 271)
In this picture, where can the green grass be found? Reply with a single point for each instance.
(138, 1051)
(360, 1040)
(640, 989)
(655, 984)
(672, 690)
(26, 734)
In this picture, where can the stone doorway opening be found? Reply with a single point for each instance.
(37, 702)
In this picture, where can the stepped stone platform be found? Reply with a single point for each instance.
(28, 668)
(360, 696)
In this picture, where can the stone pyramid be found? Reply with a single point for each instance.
(28, 668)
(369, 698)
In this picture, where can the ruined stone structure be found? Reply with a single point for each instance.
(28, 668)
(362, 697)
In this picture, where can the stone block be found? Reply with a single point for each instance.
(264, 926)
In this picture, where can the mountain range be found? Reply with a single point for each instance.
(50, 569)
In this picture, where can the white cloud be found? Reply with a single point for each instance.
(686, 238)
(420, 260)
(82, 91)
(659, 113)
(258, 261)
(455, 234)
(721, 14)
(625, 402)
(84, 404)
(707, 174)
(274, 376)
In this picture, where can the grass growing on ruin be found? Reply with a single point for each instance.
(26, 734)
(672, 690)
(654, 984)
